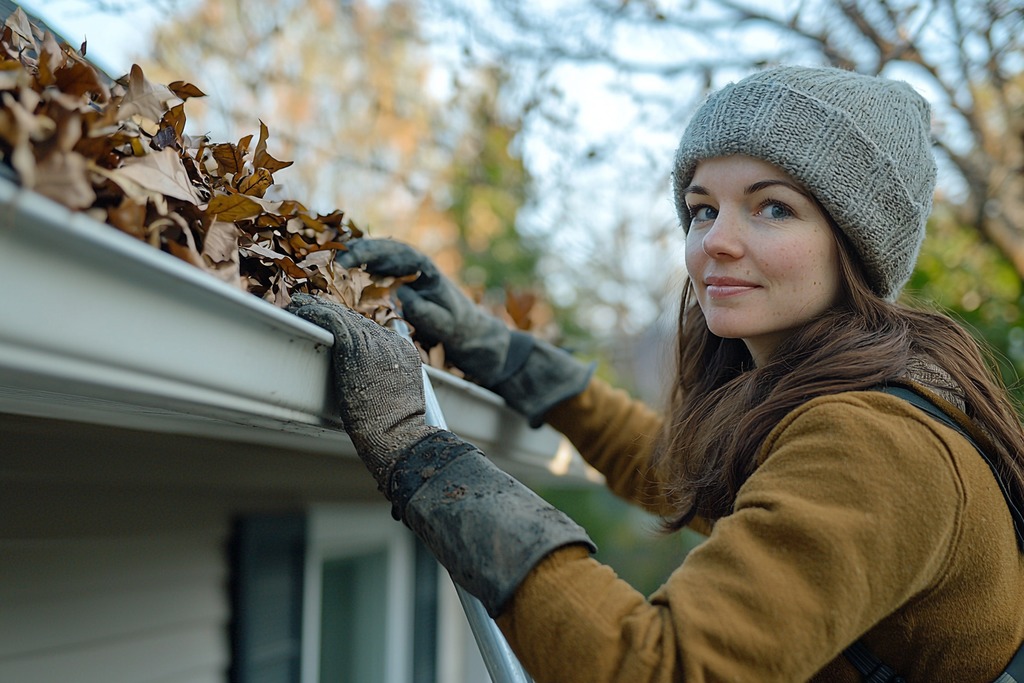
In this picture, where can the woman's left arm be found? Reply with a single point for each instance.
(853, 512)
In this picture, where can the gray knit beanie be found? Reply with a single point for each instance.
(860, 144)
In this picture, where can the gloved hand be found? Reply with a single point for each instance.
(475, 342)
(531, 375)
(378, 383)
(485, 527)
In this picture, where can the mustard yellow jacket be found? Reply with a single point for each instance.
(865, 517)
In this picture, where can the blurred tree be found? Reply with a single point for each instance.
(606, 152)
(973, 281)
(342, 87)
(653, 60)
(486, 191)
(376, 125)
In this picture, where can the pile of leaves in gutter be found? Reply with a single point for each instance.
(118, 151)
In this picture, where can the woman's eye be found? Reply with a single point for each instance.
(775, 210)
(703, 212)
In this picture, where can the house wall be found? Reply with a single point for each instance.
(114, 585)
(114, 546)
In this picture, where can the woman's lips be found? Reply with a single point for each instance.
(724, 287)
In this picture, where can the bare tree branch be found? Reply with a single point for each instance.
(966, 54)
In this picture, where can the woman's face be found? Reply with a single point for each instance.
(759, 251)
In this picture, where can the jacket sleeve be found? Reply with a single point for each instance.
(807, 562)
(615, 434)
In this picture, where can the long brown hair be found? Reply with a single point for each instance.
(722, 407)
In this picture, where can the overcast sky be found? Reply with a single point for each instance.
(113, 38)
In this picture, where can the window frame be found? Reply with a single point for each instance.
(345, 531)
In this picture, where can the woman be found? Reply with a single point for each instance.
(838, 513)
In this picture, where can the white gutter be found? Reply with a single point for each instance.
(98, 327)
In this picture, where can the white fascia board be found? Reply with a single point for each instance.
(96, 326)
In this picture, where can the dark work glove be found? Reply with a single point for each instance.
(378, 382)
(531, 375)
(485, 527)
(475, 342)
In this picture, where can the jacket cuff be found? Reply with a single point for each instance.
(487, 529)
(548, 375)
(424, 460)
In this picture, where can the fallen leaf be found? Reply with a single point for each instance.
(144, 98)
(160, 172)
(262, 159)
(519, 306)
(233, 207)
(185, 90)
(129, 216)
(120, 153)
(78, 78)
(256, 183)
(228, 157)
(221, 243)
(21, 28)
(62, 177)
(51, 58)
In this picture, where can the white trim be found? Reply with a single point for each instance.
(343, 531)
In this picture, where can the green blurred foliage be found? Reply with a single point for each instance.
(974, 282)
(628, 539)
(487, 190)
(488, 186)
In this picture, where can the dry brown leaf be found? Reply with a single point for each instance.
(63, 177)
(220, 252)
(256, 183)
(519, 306)
(144, 98)
(233, 207)
(51, 58)
(185, 90)
(173, 120)
(160, 172)
(21, 28)
(129, 216)
(77, 78)
(263, 160)
(121, 154)
(262, 251)
(221, 243)
(228, 157)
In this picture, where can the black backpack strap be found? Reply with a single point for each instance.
(1014, 671)
(871, 668)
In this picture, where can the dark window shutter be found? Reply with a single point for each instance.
(424, 635)
(268, 565)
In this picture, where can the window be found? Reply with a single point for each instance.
(343, 594)
(359, 598)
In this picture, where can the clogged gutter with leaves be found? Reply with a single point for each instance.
(119, 153)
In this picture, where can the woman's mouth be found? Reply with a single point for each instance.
(725, 287)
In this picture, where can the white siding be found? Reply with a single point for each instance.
(114, 563)
(132, 609)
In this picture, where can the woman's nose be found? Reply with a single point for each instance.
(723, 238)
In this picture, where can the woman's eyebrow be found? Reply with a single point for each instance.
(763, 184)
(752, 188)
